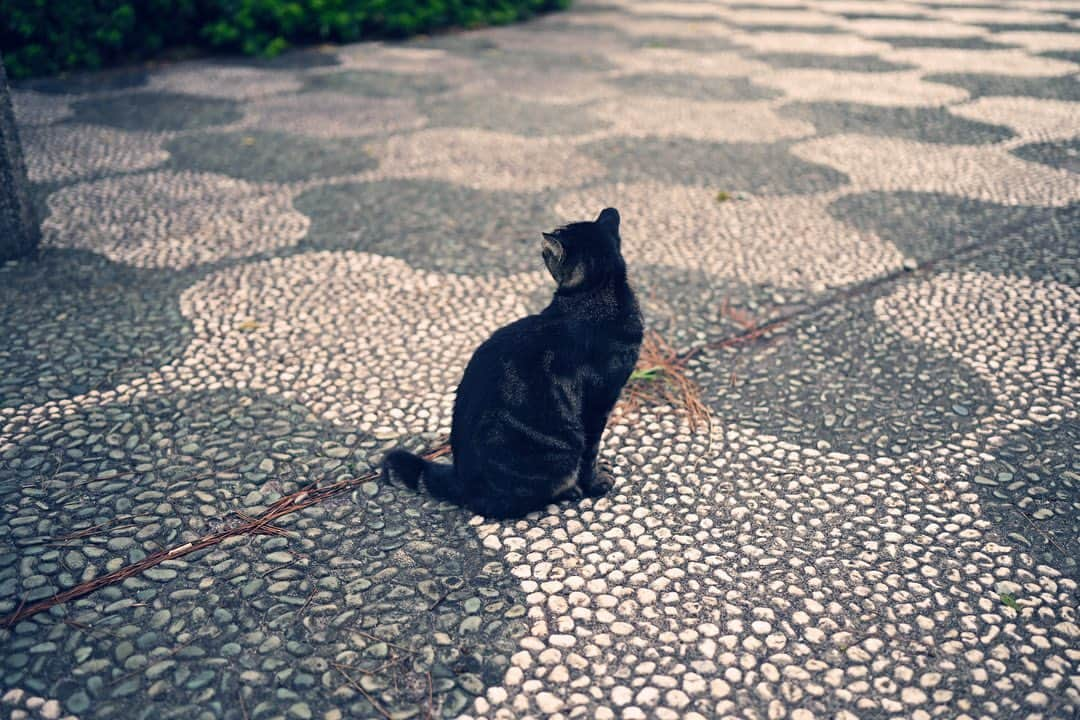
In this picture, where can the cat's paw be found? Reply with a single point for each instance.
(600, 481)
(573, 493)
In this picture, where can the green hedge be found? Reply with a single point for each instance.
(41, 37)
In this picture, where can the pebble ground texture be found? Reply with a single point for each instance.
(259, 275)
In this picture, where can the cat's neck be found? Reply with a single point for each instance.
(612, 300)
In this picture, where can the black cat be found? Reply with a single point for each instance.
(536, 395)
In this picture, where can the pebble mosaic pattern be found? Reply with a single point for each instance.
(1064, 87)
(551, 35)
(657, 60)
(276, 621)
(117, 80)
(540, 77)
(825, 400)
(964, 43)
(853, 63)
(1061, 155)
(295, 302)
(984, 173)
(1031, 119)
(18, 704)
(514, 115)
(485, 160)
(691, 86)
(1032, 478)
(376, 84)
(298, 327)
(1041, 42)
(300, 60)
(230, 83)
(168, 219)
(75, 321)
(925, 226)
(783, 242)
(716, 121)
(259, 274)
(758, 168)
(332, 115)
(58, 153)
(401, 59)
(260, 156)
(156, 111)
(35, 108)
(997, 62)
(898, 89)
(407, 218)
(839, 45)
(1027, 367)
(933, 125)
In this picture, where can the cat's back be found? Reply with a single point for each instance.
(518, 346)
(511, 374)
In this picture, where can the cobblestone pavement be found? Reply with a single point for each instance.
(257, 275)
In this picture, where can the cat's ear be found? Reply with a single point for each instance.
(610, 218)
(553, 248)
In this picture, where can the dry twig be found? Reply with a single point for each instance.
(367, 696)
(306, 605)
(660, 380)
(263, 524)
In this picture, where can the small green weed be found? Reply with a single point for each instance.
(647, 374)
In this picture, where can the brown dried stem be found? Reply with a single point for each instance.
(367, 696)
(260, 525)
(660, 380)
(243, 705)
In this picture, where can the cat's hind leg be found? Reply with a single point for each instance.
(569, 488)
(527, 495)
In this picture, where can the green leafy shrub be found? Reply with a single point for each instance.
(47, 36)
(41, 37)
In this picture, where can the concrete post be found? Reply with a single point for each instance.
(19, 230)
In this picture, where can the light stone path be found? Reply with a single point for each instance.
(262, 274)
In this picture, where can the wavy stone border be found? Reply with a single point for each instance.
(751, 121)
(980, 172)
(332, 115)
(35, 108)
(485, 160)
(61, 153)
(1030, 118)
(317, 327)
(638, 600)
(1018, 333)
(779, 241)
(899, 89)
(83, 323)
(998, 62)
(224, 81)
(173, 219)
(661, 60)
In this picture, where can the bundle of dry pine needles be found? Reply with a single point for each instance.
(661, 379)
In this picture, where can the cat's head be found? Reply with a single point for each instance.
(585, 254)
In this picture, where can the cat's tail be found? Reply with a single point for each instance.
(439, 478)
